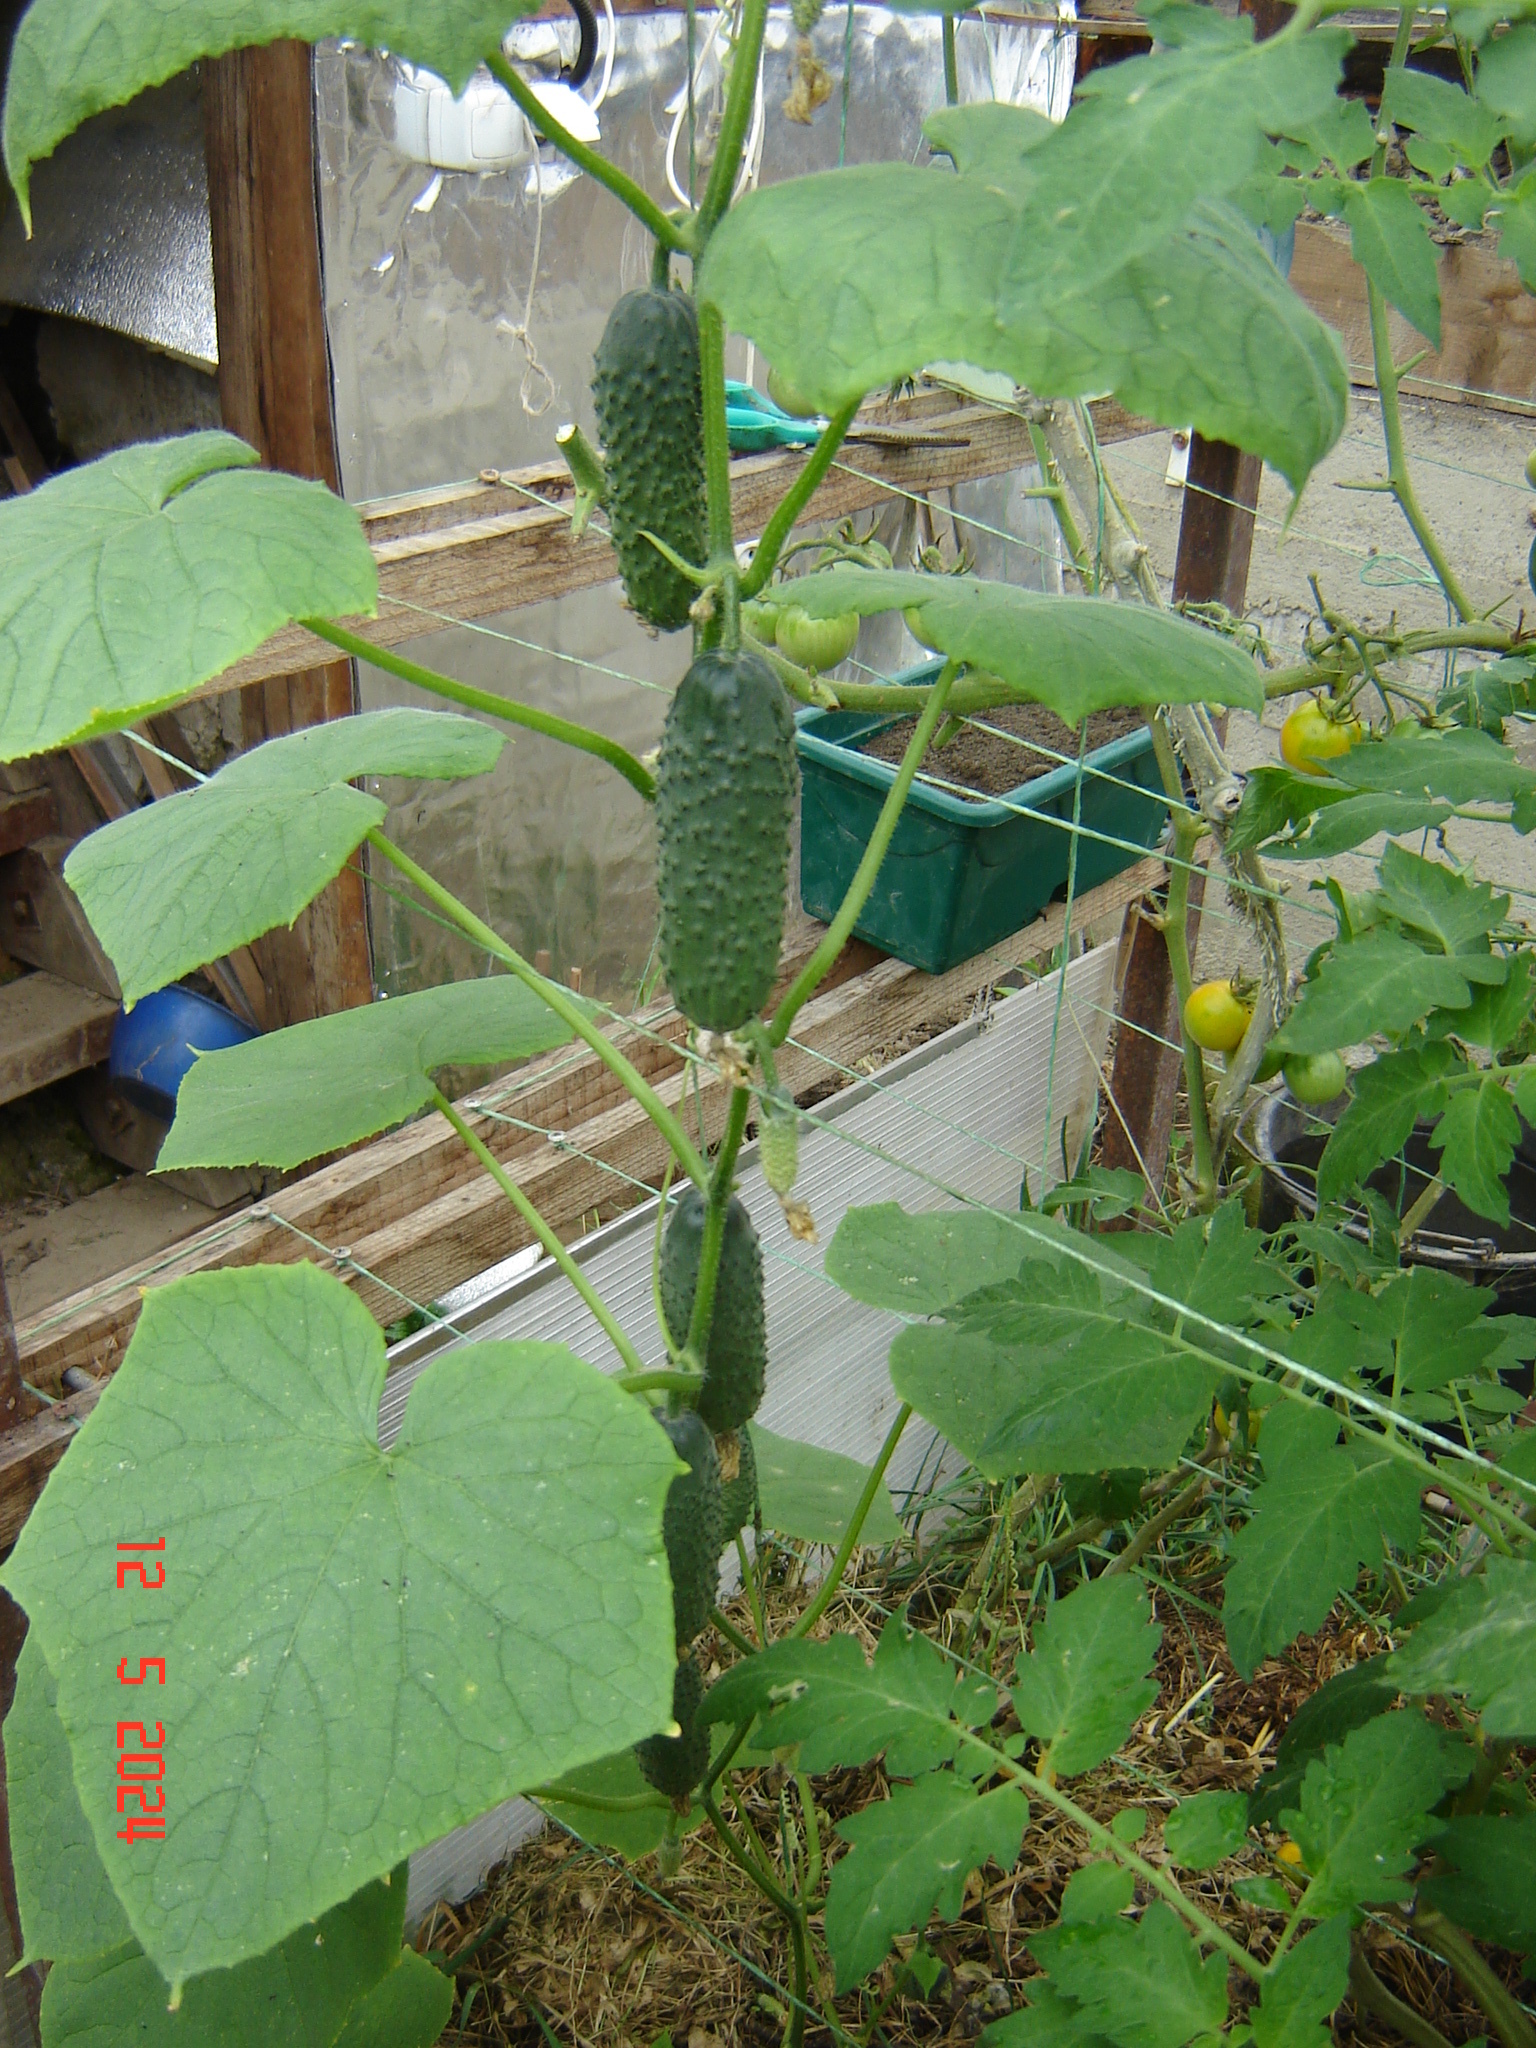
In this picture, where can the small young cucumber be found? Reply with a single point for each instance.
(725, 801)
(650, 419)
(736, 1361)
(778, 1148)
(674, 1764)
(693, 1524)
(738, 1496)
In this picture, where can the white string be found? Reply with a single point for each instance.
(520, 332)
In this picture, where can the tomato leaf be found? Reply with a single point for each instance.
(1084, 1682)
(910, 1856)
(1050, 2020)
(1389, 239)
(1387, 1098)
(1206, 1829)
(1139, 1982)
(1476, 1138)
(1441, 112)
(1351, 821)
(1460, 766)
(184, 881)
(1495, 1016)
(1506, 81)
(1431, 897)
(1319, 1514)
(1345, 1702)
(1485, 1877)
(127, 583)
(1367, 1806)
(1481, 1642)
(1379, 983)
(921, 1265)
(1441, 1327)
(1303, 1989)
(320, 1086)
(431, 1629)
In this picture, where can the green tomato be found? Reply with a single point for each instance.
(760, 618)
(788, 399)
(1530, 566)
(816, 643)
(1270, 1065)
(1315, 1077)
(1530, 469)
(914, 618)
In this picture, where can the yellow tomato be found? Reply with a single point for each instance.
(1310, 738)
(1214, 1018)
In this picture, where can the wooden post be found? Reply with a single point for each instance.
(275, 392)
(1215, 544)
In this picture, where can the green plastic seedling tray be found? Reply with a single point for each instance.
(959, 876)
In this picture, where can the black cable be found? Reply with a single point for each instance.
(579, 70)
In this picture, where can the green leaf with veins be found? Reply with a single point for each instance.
(433, 1627)
(843, 1712)
(1050, 2020)
(1467, 201)
(1275, 798)
(1302, 1990)
(809, 1494)
(1506, 81)
(1346, 1701)
(1433, 898)
(1386, 1100)
(1086, 1679)
(1516, 218)
(127, 583)
(1485, 1877)
(71, 58)
(1218, 1267)
(184, 881)
(1462, 766)
(407, 2009)
(1321, 1512)
(1098, 1891)
(634, 1833)
(320, 1086)
(1367, 1806)
(910, 1856)
(1389, 239)
(1350, 822)
(1075, 654)
(1379, 983)
(1495, 1016)
(1140, 1982)
(1348, 1336)
(1205, 1830)
(1440, 1326)
(1341, 133)
(1441, 112)
(68, 1908)
(1476, 1139)
(1481, 1643)
(921, 1265)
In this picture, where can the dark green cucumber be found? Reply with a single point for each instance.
(651, 423)
(725, 801)
(674, 1764)
(736, 1359)
(692, 1524)
(738, 1496)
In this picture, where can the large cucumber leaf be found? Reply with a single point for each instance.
(909, 1857)
(1075, 654)
(407, 2009)
(922, 1265)
(1320, 1513)
(1481, 1642)
(1142, 1983)
(1367, 1806)
(320, 1086)
(1086, 1678)
(71, 58)
(809, 1494)
(362, 1648)
(127, 583)
(184, 881)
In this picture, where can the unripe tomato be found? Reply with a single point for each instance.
(1314, 1077)
(914, 618)
(788, 399)
(1270, 1065)
(1530, 469)
(1214, 1018)
(760, 619)
(816, 643)
(1310, 739)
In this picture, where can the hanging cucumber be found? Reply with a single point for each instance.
(736, 1360)
(725, 801)
(651, 423)
(738, 1496)
(692, 1524)
(674, 1764)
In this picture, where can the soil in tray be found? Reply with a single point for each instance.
(992, 765)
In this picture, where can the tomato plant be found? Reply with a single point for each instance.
(507, 1598)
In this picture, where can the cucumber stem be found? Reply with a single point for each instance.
(565, 1006)
(951, 68)
(796, 498)
(856, 1521)
(810, 976)
(725, 630)
(726, 168)
(486, 701)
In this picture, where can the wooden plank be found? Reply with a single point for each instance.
(48, 1029)
(42, 920)
(28, 815)
(1487, 353)
(470, 551)
(275, 391)
(417, 1182)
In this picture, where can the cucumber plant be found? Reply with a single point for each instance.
(347, 1647)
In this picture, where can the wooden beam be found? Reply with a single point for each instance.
(48, 1030)
(275, 391)
(27, 815)
(380, 1204)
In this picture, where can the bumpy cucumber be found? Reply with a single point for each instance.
(674, 1764)
(725, 801)
(693, 1524)
(738, 1496)
(736, 1360)
(651, 423)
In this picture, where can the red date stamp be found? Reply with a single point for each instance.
(141, 1744)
